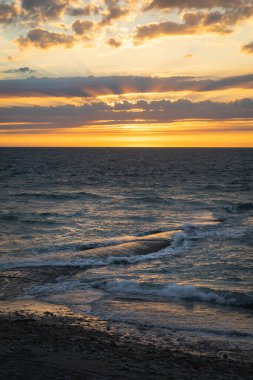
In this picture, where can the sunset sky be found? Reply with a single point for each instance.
(126, 73)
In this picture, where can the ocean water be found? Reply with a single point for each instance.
(158, 238)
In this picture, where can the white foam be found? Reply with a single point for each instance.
(172, 290)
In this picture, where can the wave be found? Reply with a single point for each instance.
(60, 196)
(27, 219)
(86, 262)
(237, 208)
(52, 288)
(144, 236)
(124, 253)
(37, 217)
(9, 217)
(73, 248)
(152, 199)
(59, 214)
(184, 292)
(109, 242)
(219, 231)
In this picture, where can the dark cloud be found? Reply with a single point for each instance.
(162, 111)
(111, 3)
(215, 16)
(41, 38)
(248, 48)
(81, 27)
(240, 81)
(93, 86)
(33, 12)
(155, 30)
(196, 4)
(22, 70)
(114, 13)
(38, 11)
(113, 42)
(88, 10)
(45, 9)
(216, 21)
(8, 12)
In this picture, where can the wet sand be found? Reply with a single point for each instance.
(43, 341)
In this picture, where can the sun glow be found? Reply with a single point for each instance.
(198, 133)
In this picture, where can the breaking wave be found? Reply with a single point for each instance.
(178, 243)
(184, 292)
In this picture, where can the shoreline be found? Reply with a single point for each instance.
(44, 341)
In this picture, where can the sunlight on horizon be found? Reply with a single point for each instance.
(190, 133)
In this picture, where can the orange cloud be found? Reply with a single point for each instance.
(191, 4)
(248, 48)
(114, 13)
(113, 42)
(87, 10)
(44, 10)
(41, 38)
(8, 13)
(216, 21)
(80, 27)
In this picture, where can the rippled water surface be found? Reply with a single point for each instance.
(145, 226)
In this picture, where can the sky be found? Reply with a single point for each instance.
(130, 73)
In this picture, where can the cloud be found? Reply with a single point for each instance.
(193, 17)
(22, 70)
(33, 12)
(41, 38)
(162, 111)
(80, 27)
(248, 48)
(39, 11)
(87, 10)
(114, 13)
(116, 85)
(196, 4)
(113, 42)
(216, 21)
(156, 30)
(240, 81)
(45, 9)
(111, 3)
(8, 13)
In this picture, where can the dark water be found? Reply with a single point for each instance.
(57, 204)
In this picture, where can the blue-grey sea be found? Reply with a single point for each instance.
(161, 238)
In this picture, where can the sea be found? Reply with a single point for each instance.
(154, 240)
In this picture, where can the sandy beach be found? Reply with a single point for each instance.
(43, 341)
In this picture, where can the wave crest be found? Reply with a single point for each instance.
(184, 292)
